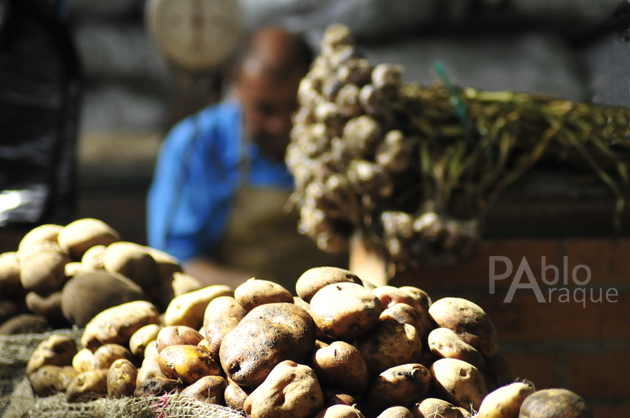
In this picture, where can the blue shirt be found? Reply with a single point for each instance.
(196, 177)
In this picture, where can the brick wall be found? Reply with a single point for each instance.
(584, 347)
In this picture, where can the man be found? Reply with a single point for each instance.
(220, 184)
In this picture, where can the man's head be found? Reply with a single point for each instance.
(267, 80)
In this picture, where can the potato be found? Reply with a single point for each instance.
(167, 264)
(141, 338)
(116, 325)
(107, 354)
(84, 361)
(268, 335)
(151, 349)
(301, 303)
(317, 278)
(506, 401)
(177, 335)
(390, 296)
(340, 411)
(406, 314)
(498, 372)
(398, 386)
(79, 236)
(8, 310)
(10, 284)
(188, 309)
(389, 344)
(56, 350)
(345, 310)
(433, 407)
(24, 324)
(552, 403)
(156, 386)
(469, 321)
(94, 258)
(445, 343)
(42, 267)
(132, 261)
(208, 389)
(334, 396)
(459, 382)
(341, 365)
(175, 285)
(87, 386)
(49, 380)
(222, 315)
(48, 306)
(396, 412)
(290, 391)
(121, 379)
(46, 232)
(255, 292)
(188, 363)
(235, 396)
(75, 268)
(86, 295)
(419, 294)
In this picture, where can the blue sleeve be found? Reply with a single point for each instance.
(188, 201)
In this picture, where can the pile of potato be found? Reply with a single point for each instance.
(65, 275)
(343, 348)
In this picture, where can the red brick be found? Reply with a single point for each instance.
(525, 319)
(610, 410)
(476, 270)
(600, 375)
(608, 259)
(540, 369)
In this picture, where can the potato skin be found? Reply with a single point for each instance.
(459, 382)
(340, 411)
(398, 386)
(419, 294)
(341, 365)
(116, 325)
(235, 395)
(48, 306)
(177, 335)
(469, 321)
(151, 381)
(222, 315)
(46, 232)
(506, 401)
(188, 363)
(189, 308)
(87, 294)
(396, 412)
(132, 261)
(141, 338)
(83, 361)
(93, 258)
(551, 403)
(107, 354)
(121, 379)
(87, 386)
(445, 343)
(208, 389)
(24, 324)
(256, 292)
(433, 407)
(312, 280)
(42, 267)
(407, 314)
(56, 350)
(10, 283)
(389, 344)
(79, 236)
(49, 380)
(290, 391)
(268, 335)
(345, 310)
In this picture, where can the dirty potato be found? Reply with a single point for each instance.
(469, 321)
(445, 343)
(399, 386)
(56, 350)
(345, 310)
(10, 284)
(151, 381)
(141, 338)
(406, 314)
(79, 236)
(290, 391)
(459, 382)
(208, 389)
(389, 344)
(396, 412)
(42, 267)
(177, 335)
(311, 281)
(87, 386)
(433, 407)
(107, 354)
(341, 365)
(506, 401)
(132, 261)
(188, 363)
(121, 379)
(49, 380)
(83, 361)
(256, 292)
(235, 395)
(340, 411)
(116, 325)
(222, 315)
(551, 403)
(46, 305)
(188, 309)
(24, 324)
